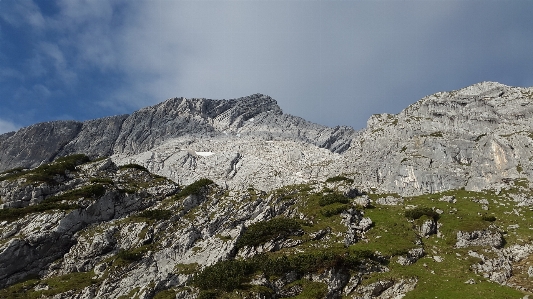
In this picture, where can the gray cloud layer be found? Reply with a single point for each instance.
(332, 62)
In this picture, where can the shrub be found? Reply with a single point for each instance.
(489, 218)
(90, 191)
(334, 209)
(13, 173)
(133, 255)
(418, 212)
(231, 274)
(134, 166)
(156, 214)
(166, 294)
(194, 188)
(332, 198)
(11, 214)
(339, 179)
(261, 232)
(46, 172)
(106, 181)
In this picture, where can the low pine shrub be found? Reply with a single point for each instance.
(194, 188)
(134, 166)
(261, 232)
(332, 198)
(489, 218)
(90, 191)
(339, 179)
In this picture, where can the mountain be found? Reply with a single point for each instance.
(197, 198)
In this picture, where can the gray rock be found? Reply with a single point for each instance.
(428, 228)
(487, 237)
(412, 256)
(389, 201)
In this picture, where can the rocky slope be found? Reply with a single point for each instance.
(256, 117)
(96, 230)
(198, 198)
(477, 137)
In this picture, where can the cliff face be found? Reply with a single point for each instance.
(477, 137)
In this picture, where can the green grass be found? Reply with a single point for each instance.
(56, 285)
(47, 172)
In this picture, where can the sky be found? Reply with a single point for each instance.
(330, 62)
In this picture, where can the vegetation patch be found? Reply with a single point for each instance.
(261, 232)
(105, 181)
(339, 179)
(133, 166)
(12, 214)
(332, 198)
(90, 191)
(232, 274)
(156, 214)
(194, 188)
(56, 285)
(418, 212)
(166, 294)
(334, 209)
(489, 218)
(47, 172)
(132, 255)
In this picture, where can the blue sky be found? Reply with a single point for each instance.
(331, 62)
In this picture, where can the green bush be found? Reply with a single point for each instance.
(13, 173)
(334, 209)
(133, 255)
(232, 274)
(11, 214)
(418, 212)
(166, 294)
(194, 188)
(261, 232)
(332, 198)
(156, 214)
(489, 218)
(105, 181)
(225, 275)
(208, 294)
(134, 166)
(90, 191)
(46, 172)
(339, 179)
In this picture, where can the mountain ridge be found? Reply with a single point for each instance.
(216, 199)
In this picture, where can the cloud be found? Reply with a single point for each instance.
(7, 126)
(21, 12)
(334, 62)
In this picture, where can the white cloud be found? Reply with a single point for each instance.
(333, 62)
(7, 126)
